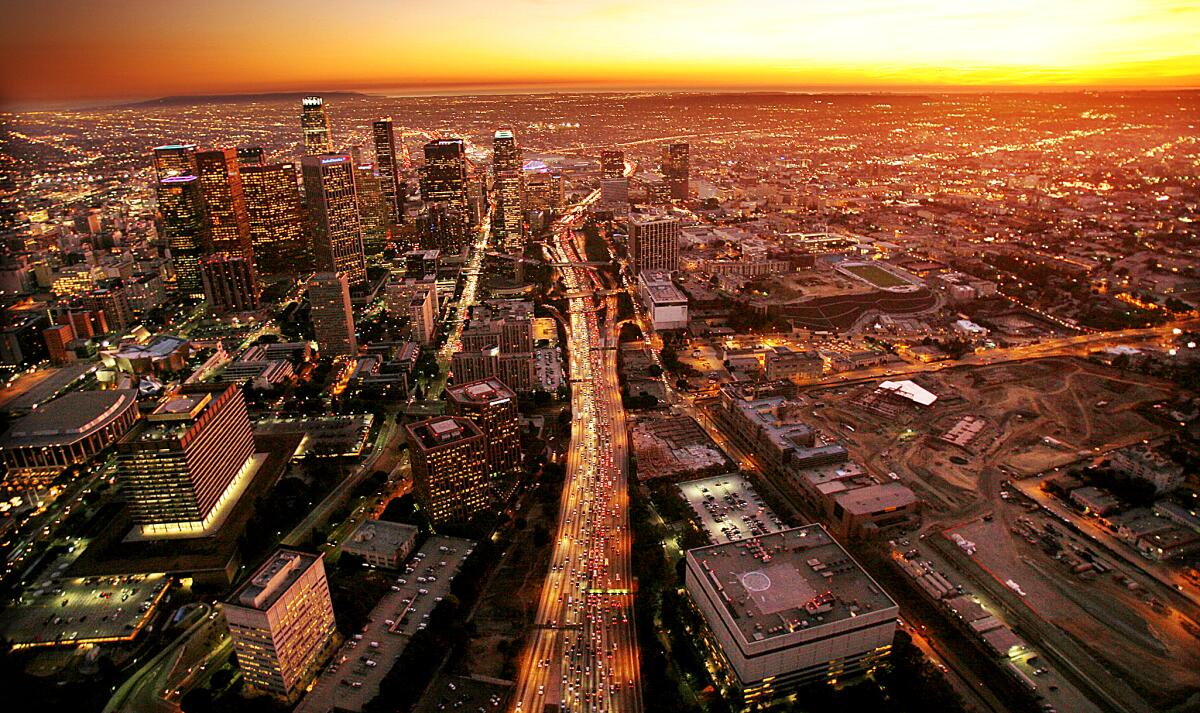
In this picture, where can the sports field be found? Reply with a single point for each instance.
(876, 276)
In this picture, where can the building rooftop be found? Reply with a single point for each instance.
(784, 583)
(442, 431)
(272, 579)
(876, 498)
(69, 417)
(911, 391)
(485, 391)
(380, 537)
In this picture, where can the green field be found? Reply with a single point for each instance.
(876, 276)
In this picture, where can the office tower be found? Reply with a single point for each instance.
(187, 462)
(449, 468)
(275, 218)
(508, 185)
(58, 340)
(419, 263)
(654, 243)
(675, 169)
(224, 203)
(443, 227)
(373, 211)
(833, 621)
(281, 621)
(332, 317)
(444, 176)
(612, 164)
(182, 207)
(332, 206)
(174, 160)
(387, 165)
(657, 189)
(422, 310)
(113, 302)
(315, 124)
(229, 283)
(493, 407)
(543, 190)
(614, 194)
(251, 155)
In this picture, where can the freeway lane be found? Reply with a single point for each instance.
(583, 654)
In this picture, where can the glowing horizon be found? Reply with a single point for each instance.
(126, 49)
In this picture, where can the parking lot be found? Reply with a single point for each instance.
(352, 678)
(728, 508)
(64, 612)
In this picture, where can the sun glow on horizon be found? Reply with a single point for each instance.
(128, 48)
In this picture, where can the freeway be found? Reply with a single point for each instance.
(583, 654)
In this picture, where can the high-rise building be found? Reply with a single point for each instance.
(315, 124)
(224, 203)
(443, 227)
(387, 164)
(332, 205)
(544, 189)
(612, 164)
(174, 160)
(281, 621)
(654, 243)
(373, 211)
(182, 207)
(675, 167)
(58, 338)
(493, 407)
(187, 462)
(251, 155)
(444, 177)
(449, 467)
(113, 301)
(275, 218)
(229, 283)
(332, 317)
(423, 311)
(614, 194)
(508, 182)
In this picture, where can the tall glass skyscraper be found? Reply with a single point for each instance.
(387, 165)
(276, 219)
(182, 207)
(509, 187)
(315, 123)
(332, 204)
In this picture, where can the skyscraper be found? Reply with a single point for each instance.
(444, 187)
(654, 243)
(387, 165)
(508, 185)
(182, 466)
(612, 164)
(331, 314)
(182, 208)
(224, 203)
(333, 215)
(315, 124)
(275, 218)
(229, 283)
(449, 467)
(675, 169)
(374, 212)
(281, 621)
(251, 155)
(493, 407)
(174, 160)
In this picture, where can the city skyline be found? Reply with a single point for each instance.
(861, 45)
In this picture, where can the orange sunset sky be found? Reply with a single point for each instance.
(54, 50)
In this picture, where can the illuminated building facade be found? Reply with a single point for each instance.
(387, 165)
(450, 468)
(373, 211)
(182, 207)
(334, 224)
(675, 168)
(314, 122)
(275, 218)
(444, 188)
(174, 160)
(229, 283)
(509, 188)
(67, 431)
(493, 407)
(332, 318)
(654, 243)
(282, 623)
(225, 219)
(185, 463)
(251, 156)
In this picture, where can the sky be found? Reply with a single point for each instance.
(68, 50)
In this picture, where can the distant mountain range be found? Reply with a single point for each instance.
(193, 99)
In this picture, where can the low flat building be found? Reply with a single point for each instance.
(381, 543)
(67, 431)
(788, 609)
(666, 303)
